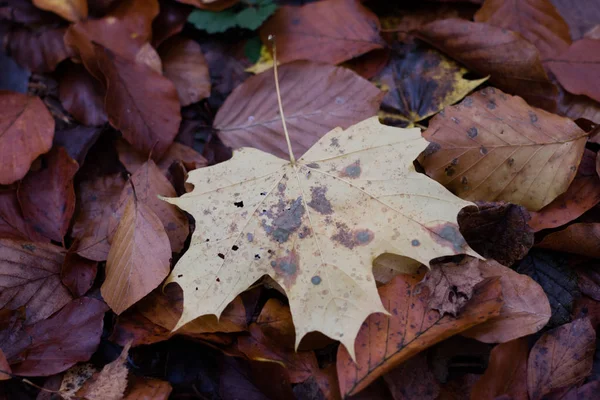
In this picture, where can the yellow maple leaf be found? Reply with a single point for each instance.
(315, 226)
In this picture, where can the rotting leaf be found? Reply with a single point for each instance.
(264, 215)
(493, 146)
(558, 280)
(386, 341)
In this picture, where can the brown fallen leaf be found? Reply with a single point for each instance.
(317, 98)
(73, 379)
(506, 373)
(139, 258)
(575, 107)
(413, 379)
(561, 357)
(71, 10)
(132, 160)
(450, 285)
(12, 222)
(98, 200)
(275, 321)
(26, 131)
(577, 68)
(330, 31)
(580, 238)
(536, 20)
(78, 140)
(582, 195)
(581, 16)
(525, 311)
(110, 383)
(40, 50)
(4, 368)
(513, 63)
(386, 341)
(78, 273)
(169, 22)
(149, 183)
(30, 277)
(185, 66)
(57, 343)
(493, 146)
(82, 95)
(47, 196)
(497, 230)
(143, 388)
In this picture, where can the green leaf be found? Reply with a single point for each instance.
(249, 16)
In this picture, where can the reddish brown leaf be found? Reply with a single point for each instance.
(30, 277)
(71, 10)
(78, 273)
(561, 357)
(581, 196)
(512, 62)
(149, 183)
(317, 98)
(12, 222)
(580, 15)
(169, 22)
(451, 285)
(525, 311)
(330, 31)
(577, 69)
(142, 388)
(38, 51)
(139, 258)
(506, 373)
(53, 345)
(413, 380)
(385, 342)
(82, 95)
(47, 196)
(275, 321)
(537, 20)
(580, 238)
(26, 131)
(98, 200)
(185, 66)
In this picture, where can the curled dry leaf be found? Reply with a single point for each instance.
(26, 131)
(506, 373)
(30, 277)
(386, 341)
(71, 10)
(316, 99)
(582, 195)
(139, 258)
(493, 146)
(38, 51)
(150, 183)
(512, 62)
(98, 200)
(47, 196)
(330, 31)
(577, 68)
(110, 383)
(497, 230)
(185, 65)
(451, 285)
(580, 238)
(314, 226)
(537, 20)
(82, 95)
(525, 311)
(560, 358)
(57, 343)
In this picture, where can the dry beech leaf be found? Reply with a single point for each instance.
(170, 21)
(30, 277)
(506, 373)
(577, 68)
(185, 65)
(316, 99)
(581, 238)
(12, 222)
(71, 10)
(38, 51)
(512, 62)
(451, 285)
(575, 107)
(143, 388)
(525, 311)
(314, 226)
(110, 383)
(582, 195)
(561, 357)
(537, 20)
(82, 95)
(73, 379)
(78, 273)
(132, 160)
(330, 31)
(139, 258)
(26, 131)
(493, 146)
(386, 341)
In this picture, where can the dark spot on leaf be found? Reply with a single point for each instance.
(334, 142)
(449, 170)
(318, 201)
(464, 180)
(431, 148)
(239, 204)
(287, 268)
(218, 280)
(352, 238)
(511, 161)
(491, 104)
(472, 132)
(286, 221)
(315, 280)
(313, 165)
(449, 233)
(483, 150)
(263, 193)
(415, 242)
(468, 102)
(281, 187)
(533, 117)
(352, 171)
(250, 237)
(257, 257)
(221, 255)
(179, 276)
(29, 247)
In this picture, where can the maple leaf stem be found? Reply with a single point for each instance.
(287, 135)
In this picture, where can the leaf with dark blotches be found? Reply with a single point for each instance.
(556, 277)
(580, 238)
(386, 341)
(561, 357)
(314, 226)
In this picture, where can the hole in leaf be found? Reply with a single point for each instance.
(234, 247)
(221, 255)
(239, 204)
